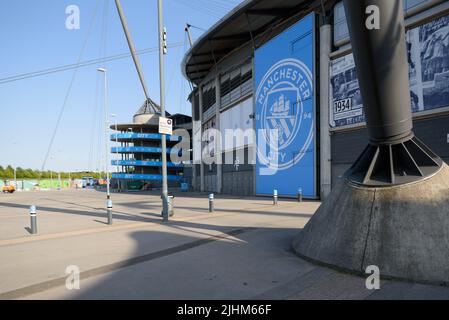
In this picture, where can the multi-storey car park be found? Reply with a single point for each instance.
(138, 151)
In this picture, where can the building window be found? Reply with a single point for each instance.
(209, 98)
(236, 83)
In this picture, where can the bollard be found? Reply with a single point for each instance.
(170, 202)
(275, 197)
(299, 194)
(33, 219)
(165, 204)
(109, 209)
(211, 202)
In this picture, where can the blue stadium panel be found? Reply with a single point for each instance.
(144, 163)
(145, 136)
(148, 177)
(141, 149)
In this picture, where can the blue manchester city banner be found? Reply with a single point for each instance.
(285, 112)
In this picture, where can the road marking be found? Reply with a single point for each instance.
(50, 284)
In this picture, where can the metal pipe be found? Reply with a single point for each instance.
(187, 29)
(106, 132)
(275, 197)
(131, 47)
(394, 155)
(162, 97)
(380, 57)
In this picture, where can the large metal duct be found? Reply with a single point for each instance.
(394, 155)
(391, 209)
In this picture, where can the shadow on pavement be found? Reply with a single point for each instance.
(205, 266)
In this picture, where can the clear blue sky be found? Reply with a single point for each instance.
(34, 37)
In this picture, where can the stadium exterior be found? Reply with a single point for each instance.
(287, 66)
(138, 155)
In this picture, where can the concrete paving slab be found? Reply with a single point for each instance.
(241, 251)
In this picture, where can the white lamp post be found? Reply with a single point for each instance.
(106, 130)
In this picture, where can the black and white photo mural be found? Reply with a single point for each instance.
(428, 57)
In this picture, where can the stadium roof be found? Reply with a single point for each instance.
(245, 22)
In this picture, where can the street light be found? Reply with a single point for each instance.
(106, 130)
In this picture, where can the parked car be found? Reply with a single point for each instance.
(8, 189)
(88, 182)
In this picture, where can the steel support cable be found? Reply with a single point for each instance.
(86, 63)
(200, 8)
(132, 48)
(181, 104)
(187, 36)
(212, 4)
(69, 89)
(195, 27)
(174, 68)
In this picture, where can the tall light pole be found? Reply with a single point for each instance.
(106, 131)
(162, 51)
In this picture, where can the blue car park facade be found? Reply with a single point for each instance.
(137, 153)
(287, 66)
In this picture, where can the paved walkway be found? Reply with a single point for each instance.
(241, 251)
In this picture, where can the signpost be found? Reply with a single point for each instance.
(165, 126)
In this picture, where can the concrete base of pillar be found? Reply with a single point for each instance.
(403, 230)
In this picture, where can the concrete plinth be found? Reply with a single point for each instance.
(403, 230)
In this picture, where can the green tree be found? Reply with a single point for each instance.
(2, 172)
(29, 174)
(9, 172)
(19, 173)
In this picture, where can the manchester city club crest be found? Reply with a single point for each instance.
(284, 99)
